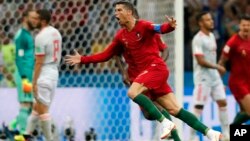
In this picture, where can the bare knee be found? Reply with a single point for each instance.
(41, 108)
(132, 93)
(222, 103)
(169, 103)
(136, 89)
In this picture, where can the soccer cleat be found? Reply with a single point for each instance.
(214, 135)
(19, 138)
(24, 137)
(167, 127)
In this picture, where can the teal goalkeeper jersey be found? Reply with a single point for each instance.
(24, 53)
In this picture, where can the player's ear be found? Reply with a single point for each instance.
(130, 12)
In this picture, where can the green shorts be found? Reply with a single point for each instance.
(22, 97)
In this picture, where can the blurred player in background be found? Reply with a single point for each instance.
(1, 64)
(24, 43)
(9, 67)
(162, 48)
(48, 55)
(207, 79)
(137, 43)
(237, 53)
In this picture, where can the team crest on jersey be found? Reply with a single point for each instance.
(243, 53)
(138, 34)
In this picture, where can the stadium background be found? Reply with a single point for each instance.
(93, 95)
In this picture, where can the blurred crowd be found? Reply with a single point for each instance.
(225, 14)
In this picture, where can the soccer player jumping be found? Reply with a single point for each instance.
(136, 40)
(164, 55)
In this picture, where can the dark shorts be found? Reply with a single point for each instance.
(155, 79)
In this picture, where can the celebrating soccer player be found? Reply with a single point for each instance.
(237, 52)
(146, 68)
(163, 48)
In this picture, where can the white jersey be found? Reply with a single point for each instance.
(205, 45)
(49, 43)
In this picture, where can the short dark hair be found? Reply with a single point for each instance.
(128, 5)
(245, 17)
(200, 15)
(44, 14)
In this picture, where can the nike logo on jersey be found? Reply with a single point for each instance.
(144, 72)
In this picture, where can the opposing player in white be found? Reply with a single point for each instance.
(207, 79)
(48, 55)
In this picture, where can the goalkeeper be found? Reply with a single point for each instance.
(25, 64)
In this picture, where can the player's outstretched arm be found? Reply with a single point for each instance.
(73, 59)
(171, 21)
(166, 27)
(108, 53)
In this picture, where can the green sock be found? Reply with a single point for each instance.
(148, 106)
(240, 118)
(174, 133)
(22, 118)
(192, 121)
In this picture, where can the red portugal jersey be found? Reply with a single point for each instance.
(238, 52)
(140, 47)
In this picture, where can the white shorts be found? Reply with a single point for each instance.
(202, 92)
(46, 90)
